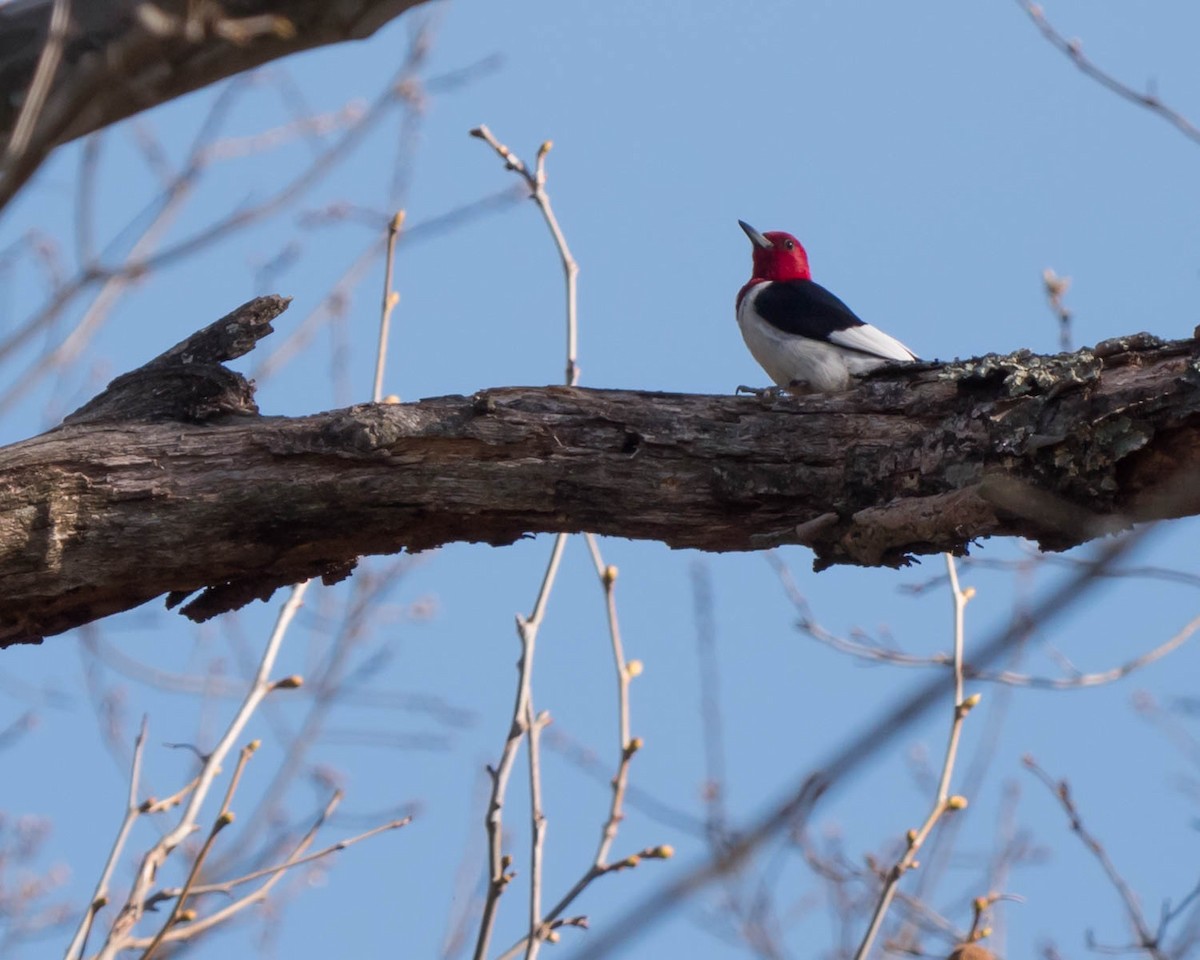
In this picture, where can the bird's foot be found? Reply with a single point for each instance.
(797, 388)
(763, 393)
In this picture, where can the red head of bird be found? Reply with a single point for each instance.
(777, 255)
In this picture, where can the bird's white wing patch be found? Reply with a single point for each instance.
(872, 340)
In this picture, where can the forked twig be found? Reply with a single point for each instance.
(523, 718)
(121, 933)
(543, 926)
(498, 864)
(1147, 941)
(197, 927)
(224, 819)
(133, 809)
(626, 670)
(228, 885)
(943, 801)
(536, 180)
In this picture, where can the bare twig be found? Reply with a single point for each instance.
(537, 832)
(551, 919)
(107, 269)
(39, 88)
(498, 864)
(543, 926)
(332, 678)
(390, 299)
(624, 671)
(224, 819)
(339, 295)
(1010, 677)
(228, 885)
(1056, 288)
(710, 707)
(85, 197)
(133, 809)
(1146, 940)
(1073, 48)
(97, 313)
(120, 934)
(796, 807)
(197, 927)
(536, 181)
(943, 801)
(600, 866)
(524, 720)
(585, 759)
(874, 652)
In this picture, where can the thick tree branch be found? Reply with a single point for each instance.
(119, 57)
(170, 482)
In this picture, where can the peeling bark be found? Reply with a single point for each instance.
(171, 482)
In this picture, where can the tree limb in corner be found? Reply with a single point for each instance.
(171, 482)
(119, 57)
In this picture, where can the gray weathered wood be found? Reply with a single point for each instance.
(128, 501)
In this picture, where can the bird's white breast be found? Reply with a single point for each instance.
(787, 358)
(821, 366)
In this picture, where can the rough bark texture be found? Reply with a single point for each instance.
(171, 483)
(124, 56)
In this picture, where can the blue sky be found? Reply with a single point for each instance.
(934, 159)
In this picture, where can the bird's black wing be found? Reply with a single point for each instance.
(804, 309)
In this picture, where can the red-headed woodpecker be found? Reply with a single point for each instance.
(799, 332)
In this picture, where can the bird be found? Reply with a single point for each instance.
(803, 336)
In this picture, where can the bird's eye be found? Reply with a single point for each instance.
(789, 244)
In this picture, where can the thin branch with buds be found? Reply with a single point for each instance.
(537, 832)
(1073, 48)
(227, 886)
(141, 898)
(943, 801)
(543, 926)
(390, 299)
(131, 913)
(524, 720)
(201, 926)
(175, 929)
(499, 875)
(626, 671)
(133, 809)
(224, 819)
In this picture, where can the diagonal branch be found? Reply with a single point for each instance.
(119, 58)
(1074, 50)
(920, 459)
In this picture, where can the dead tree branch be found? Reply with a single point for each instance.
(171, 482)
(118, 57)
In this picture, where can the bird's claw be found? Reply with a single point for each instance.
(769, 393)
(793, 389)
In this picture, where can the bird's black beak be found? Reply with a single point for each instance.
(756, 238)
